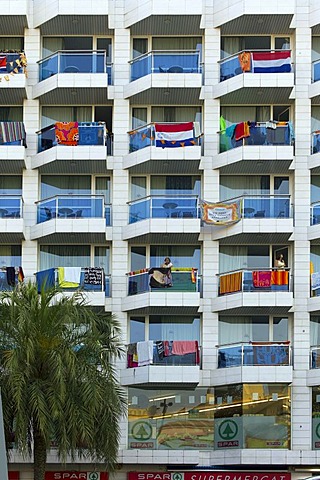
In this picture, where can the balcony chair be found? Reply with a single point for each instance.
(175, 69)
(260, 214)
(71, 69)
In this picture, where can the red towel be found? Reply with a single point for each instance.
(261, 279)
(184, 347)
(67, 133)
(242, 130)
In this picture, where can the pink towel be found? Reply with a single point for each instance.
(182, 348)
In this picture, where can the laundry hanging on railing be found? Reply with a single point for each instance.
(271, 62)
(12, 132)
(11, 63)
(67, 133)
(93, 276)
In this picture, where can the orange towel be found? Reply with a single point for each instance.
(231, 283)
(280, 277)
(245, 61)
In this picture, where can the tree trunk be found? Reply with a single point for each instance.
(39, 455)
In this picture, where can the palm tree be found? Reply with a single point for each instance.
(57, 376)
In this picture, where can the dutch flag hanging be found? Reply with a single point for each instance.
(174, 135)
(3, 64)
(271, 62)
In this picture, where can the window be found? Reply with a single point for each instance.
(103, 188)
(241, 257)
(180, 255)
(65, 185)
(176, 114)
(138, 187)
(53, 256)
(139, 46)
(10, 255)
(11, 114)
(102, 258)
(138, 258)
(53, 44)
(175, 184)
(232, 45)
(139, 117)
(105, 44)
(11, 43)
(315, 417)
(259, 328)
(10, 185)
(52, 115)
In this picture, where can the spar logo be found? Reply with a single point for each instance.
(228, 429)
(177, 476)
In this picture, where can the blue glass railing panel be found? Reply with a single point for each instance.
(74, 62)
(107, 214)
(315, 214)
(139, 211)
(138, 284)
(266, 354)
(142, 138)
(4, 285)
(316, 71)
(230, 68)
(230, 356)
(182, 281)
(264, 207)
(165, 62)
(174, 207)
(47, 210)
(70, 207)
(90, 133)
(10, 207)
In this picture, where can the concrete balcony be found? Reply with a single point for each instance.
(314, 17)
(12, 158)
(57, 17)
(176, 216)
(268, 217)
(248, 292)
(14, 17)
(80, 77)
(84, 218)
(86, 155)
(161, 376)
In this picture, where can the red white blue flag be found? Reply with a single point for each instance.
(271, 62)
(174, 135)
(3, 64)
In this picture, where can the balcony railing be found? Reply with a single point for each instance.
(263, 206)
(163, 206)
(91, 280)
(165, 61)
(255, 61)
(73, 207)
(315, 213)
(259, 280)
(5, 283)
(89, 133)
(266, 133)
(316, 70)
(75, 61)
(183, 280)
(315, 138)
(145, 136)
(11, 206)
(254, 354)
(165, 353)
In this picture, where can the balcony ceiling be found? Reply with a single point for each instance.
(13, 24)
(276, 311)
(169, 310)
(11, 238)
(12, 95)
(168, 25)
(260, 167)
(67, 167)
(72, 238)
(9, 166)
(316, 29)
(259, 25)
(168, 96)
(167, 167)
(76, 25)
(258, 95)
(165, 239)
(315, 100)
(258, 238)
(79, 96)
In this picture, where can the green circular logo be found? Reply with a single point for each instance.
(141, 430)
(93, 476)
(177, 476)
(318, 430)
(228, 429)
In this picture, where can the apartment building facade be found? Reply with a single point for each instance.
(131, 122)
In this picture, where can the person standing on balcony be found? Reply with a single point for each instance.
(279, 262)
(167, 277)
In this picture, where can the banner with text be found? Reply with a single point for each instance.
(222, 213)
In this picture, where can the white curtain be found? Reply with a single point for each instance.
(53, 256)
(176, 43)
(51, 115)
(236, 185)
(234, 329)
(51, 45)
(175, 328)
(176, 114)
(233, 257)
(230, 46)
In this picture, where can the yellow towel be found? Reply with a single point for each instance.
(62, 282)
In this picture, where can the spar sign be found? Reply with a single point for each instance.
(213, 475)
(76, 476)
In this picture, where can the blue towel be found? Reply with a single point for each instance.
(230, 130)
(88, 135)
(45, 279)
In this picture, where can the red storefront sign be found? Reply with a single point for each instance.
(213, 475)
(14, 475)
(76, 475)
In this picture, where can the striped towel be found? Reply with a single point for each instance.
(11, 132)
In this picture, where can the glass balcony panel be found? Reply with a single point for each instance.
(165, 62)
(139, 211)
(316, 137)
(90, 133)
(315, 214)
(73, 62)
(254, 354)
(315, 357)
(107, 214)
(266, 207)
(47, 210)
(165, 353)
(260, 134)
(266, 280)
(10, 206)
(4, 285)
(71, 207)
(164, 207)
(316, 71)
(141, 138)
(182, 281)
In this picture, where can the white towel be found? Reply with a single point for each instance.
(145, 353)
(72, 274)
